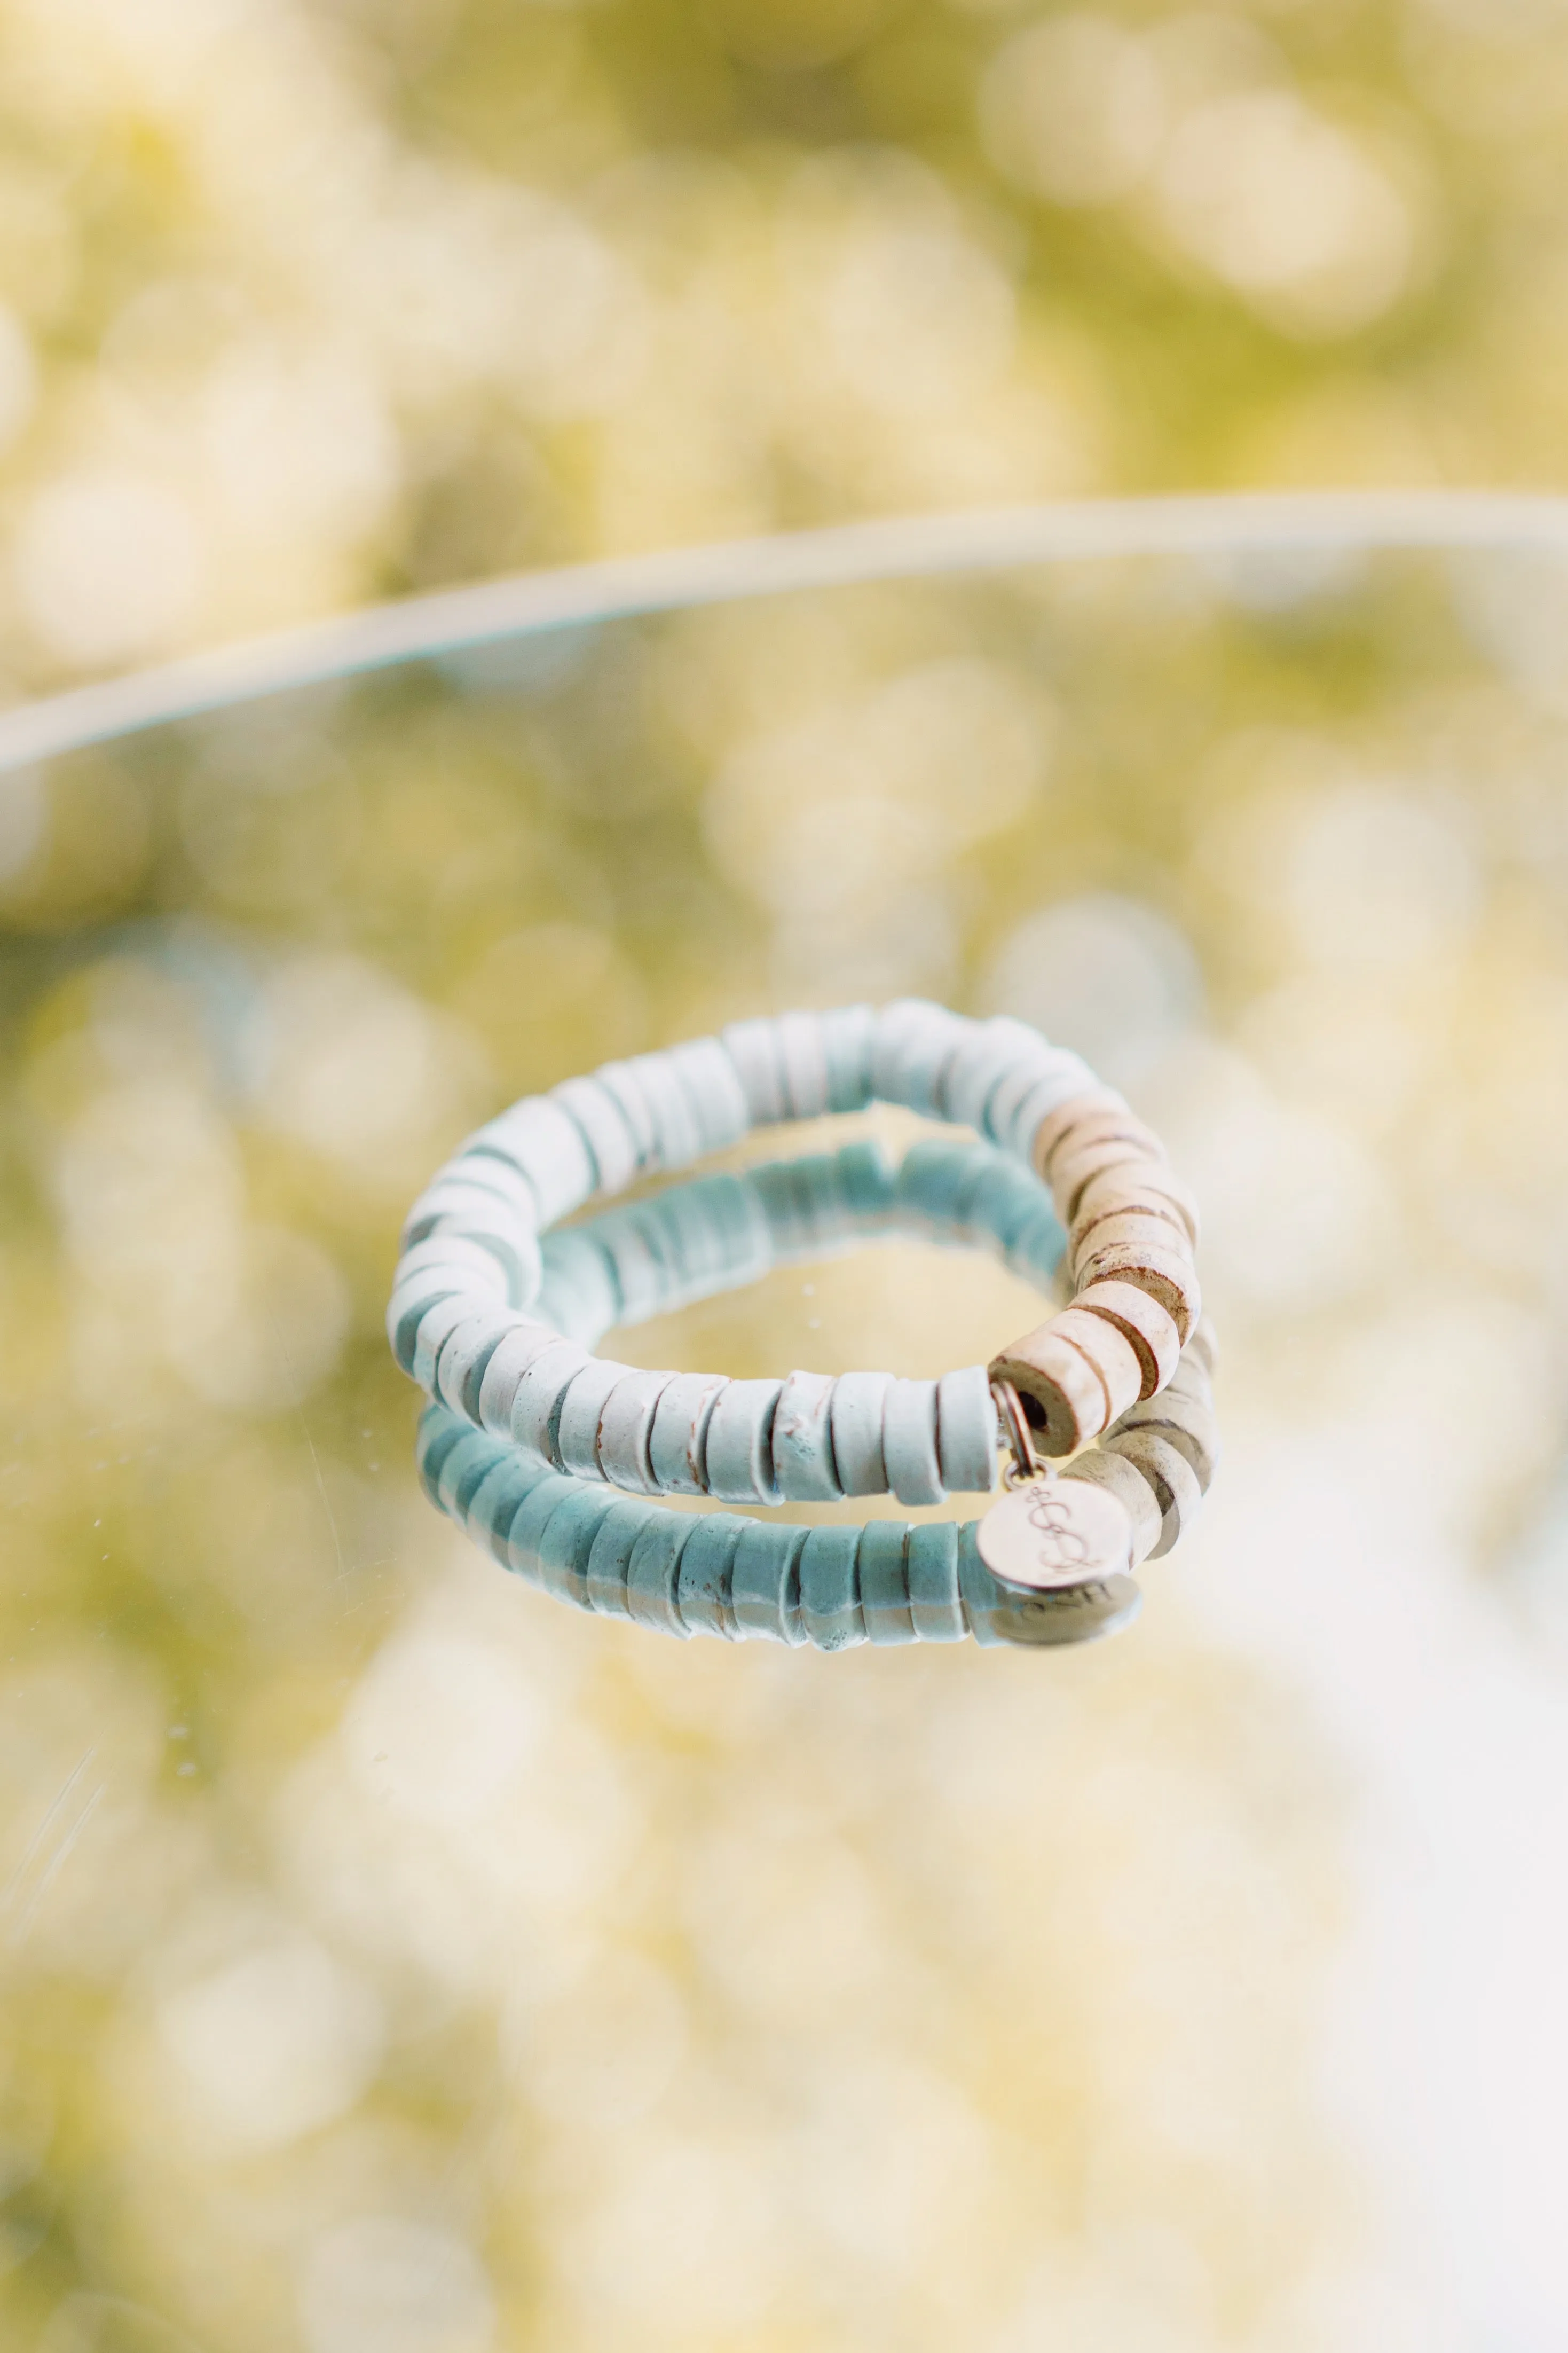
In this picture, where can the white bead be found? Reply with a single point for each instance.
(604, 1128)
(435, 1326)
(909, 1443)
(546, 1146)
(679, 1440)
(846, 1035)
(859, 1403)
(540, 1392)
(465, 1353)
(966, 1431)
(803, 1055)
(479, 1267)
(738, 1458)
(803, 1441)
(522, 1346)
(676, 1137)
(576, 1437)
(626, 1430)
(714, 1091)
(752, 1048)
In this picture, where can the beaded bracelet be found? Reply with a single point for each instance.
(884, 1582)
(473, 1262)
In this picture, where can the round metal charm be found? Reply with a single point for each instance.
(1061, 1552)
(1055, 1532)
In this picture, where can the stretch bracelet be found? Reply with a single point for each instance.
(465, 1317)
(832, 1587)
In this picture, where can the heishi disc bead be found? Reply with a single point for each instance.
(764, 1583)
(739, 1457)
(601, 1123)
(713, 1090)
(702, 1583)
(847, 1042)
(653, 1573)
(1168, 1276)
(830, 1588)
(1141, 1227)
(575, 1445)
(1131, 1490)
(966, 1431)
(884, 1582)
(437, 1433)
(1074, 1170)
(463, 1471)
(1170, 1475)
(538, 1393)
(434, 1328)
(931, 1568)
(752, 1048)
(465, 1358)
(1075, 1112)
(1186, 1424)
(620, 1081)
(608, 1562)
(804, 1469)
(495, 1505)
(859, 1401)
(1063, 1395)
(567, 1543)
(909, 1443)
(625, 1431)
(677, 1442)
(1149, 1329)
(803, 1061)
(530, 1521)
(1149, 1183)
(521, 1348)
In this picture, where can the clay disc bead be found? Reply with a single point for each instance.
(1170, 1475)
(1149, 1328)
(1151, 1184)
(1167, 1275)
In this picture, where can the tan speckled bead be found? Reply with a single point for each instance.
(1149, 1328)
(1128, 1484)
(1167, 1275)
(1068, 1117)
(1074, 1170)
(1170, 1475)
(1148, 1181)
(1187, 1423)
(1079, 1371)
(1145, 1227)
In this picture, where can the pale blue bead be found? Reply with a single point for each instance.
(676, 1137)
(407, 1308)
(434, 1327)
(539, 1395)
(654, 1569)
(481, 1267)
(614, 1543)
(804, 1469)
(1049, 1069)
(984, 1058)
(579, 1292)
(1004, 1203)
(494, 1506)
(637, 1268)
(867, 1181)
(465, 1356)
(626, 1430)
(519, 1348)
(966, 1431)
(931, 1566)
(546, 1147)
(679, 1441)
(932, 1178)
(486, 1190)
(576, 1436)
(567, 1542)
(827, 1218)
(752, 1049)
(601, 1123)
(846, 1041)
(1036, 1250)
(803, 1063)
(764, 1582)
(830, 1588)
(439, 1431)
(702, 1585)
(531, 1520)
(909, 1443)
(782, 1206)
(713, 1088)
(621, 1084)
(884, 1582)
(859, 1400)
(1073, 1078)
(912, 1045)
(739, 1451)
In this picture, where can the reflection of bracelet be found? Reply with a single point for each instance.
(884, 1582)
(473, 1264)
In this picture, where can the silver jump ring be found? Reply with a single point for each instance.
(1016, 1429)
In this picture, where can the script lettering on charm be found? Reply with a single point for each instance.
(1057, 1537)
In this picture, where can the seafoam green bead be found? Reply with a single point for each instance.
(764, 1582)
(884, 1582)
(702, 1588)
(462, 1470)
(738, 1456)
(567, 1540)
(615, 1541)
(846, 1044)
(859, 1401)
(576, 1437)
(830, 1588)
(495, 1504)
(531, 1520)
(652, 1572)
(909, 1443)
(966, 1431)
(537, 1401)
(931, 1566)
(678, 1443)
(519, 1348)
(868, 1183)
(439, 1431)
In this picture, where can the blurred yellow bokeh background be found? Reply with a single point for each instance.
(390, 1961)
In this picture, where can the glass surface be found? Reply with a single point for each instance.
(393, 1958)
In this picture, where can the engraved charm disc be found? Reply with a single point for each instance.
(1055, 1532)
(1061, 1553)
